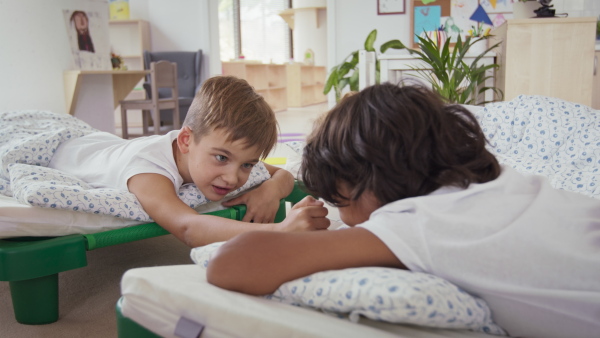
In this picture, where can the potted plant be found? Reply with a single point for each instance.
(346, 73)
(455, 79)
(448, 73)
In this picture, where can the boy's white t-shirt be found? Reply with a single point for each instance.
(105, 160)
(531, 251)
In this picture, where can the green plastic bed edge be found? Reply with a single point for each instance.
(138, 232)
(127, 328)
(22, 259)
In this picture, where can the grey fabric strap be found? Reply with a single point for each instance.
(187, 328)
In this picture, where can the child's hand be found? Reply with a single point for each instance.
(307, 202)
(308, 214)
(261, 204)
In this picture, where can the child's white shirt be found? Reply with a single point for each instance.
(105, 160)
(531, 251)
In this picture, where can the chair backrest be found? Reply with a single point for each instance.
(188, 65)
(163, 75)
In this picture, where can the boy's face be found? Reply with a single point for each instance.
(358, 211)
(218, 166)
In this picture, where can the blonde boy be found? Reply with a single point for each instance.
(228, 129)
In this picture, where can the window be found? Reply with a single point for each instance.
(254, 29)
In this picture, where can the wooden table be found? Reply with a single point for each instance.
(93, 95)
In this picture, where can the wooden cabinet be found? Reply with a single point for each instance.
(596, 85)
(546, 56)
(269, 80)
(305, 84)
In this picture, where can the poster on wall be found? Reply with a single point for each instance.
(87, 32)
(454, 18)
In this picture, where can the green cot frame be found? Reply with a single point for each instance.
(31, 264)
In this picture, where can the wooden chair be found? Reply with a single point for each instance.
(163, 74)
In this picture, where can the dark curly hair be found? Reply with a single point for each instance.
(397, 142)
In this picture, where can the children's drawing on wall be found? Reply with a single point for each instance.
(498, 10)
(453, 18)
(427, 18)
(461, 11)
(82, 26)
(88, 38)
(497, 6)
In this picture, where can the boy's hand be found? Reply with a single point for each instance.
(261, 204)
(308, 214)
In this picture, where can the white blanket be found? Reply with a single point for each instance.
(28, 139)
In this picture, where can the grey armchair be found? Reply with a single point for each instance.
(188, 79)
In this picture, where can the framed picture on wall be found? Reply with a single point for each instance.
(385, 7)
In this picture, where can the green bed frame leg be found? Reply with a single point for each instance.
(35, 301)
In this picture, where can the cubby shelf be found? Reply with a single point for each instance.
(269, 80)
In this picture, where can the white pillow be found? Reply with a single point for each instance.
(384, 294)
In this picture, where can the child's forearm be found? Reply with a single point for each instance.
(281, 181)
(206, 229)
(198, 230)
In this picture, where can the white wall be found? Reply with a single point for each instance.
(350, 21)
(182, 25)
(34, 49)
(34, 52)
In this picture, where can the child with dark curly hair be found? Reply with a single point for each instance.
(413, 179)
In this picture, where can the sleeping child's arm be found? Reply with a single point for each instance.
(262, 203)
(258, 263)
(159, 199)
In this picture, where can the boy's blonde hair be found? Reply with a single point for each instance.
(230, 103)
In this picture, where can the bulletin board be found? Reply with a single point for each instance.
(455, 15)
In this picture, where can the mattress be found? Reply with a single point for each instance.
(17, 219)
(158, 297)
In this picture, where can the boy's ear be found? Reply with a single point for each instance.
(185, 139)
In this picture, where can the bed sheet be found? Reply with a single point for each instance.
(158, 297)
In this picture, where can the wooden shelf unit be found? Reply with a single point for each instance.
(305, 84)
(129, 39)
(546, 56)
(269, 80)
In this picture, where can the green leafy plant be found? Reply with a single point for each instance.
(346, 73)
(454, 78)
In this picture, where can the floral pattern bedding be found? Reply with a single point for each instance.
(549, 137)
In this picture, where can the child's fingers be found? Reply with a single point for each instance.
(308, 201)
